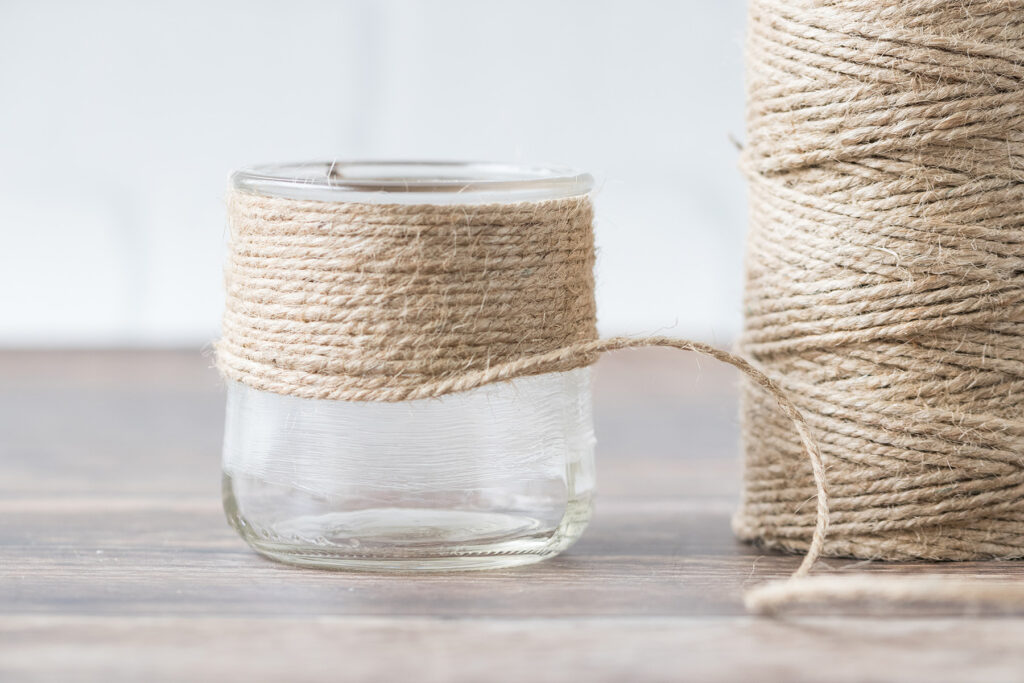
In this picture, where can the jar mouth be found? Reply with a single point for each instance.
(413, 182)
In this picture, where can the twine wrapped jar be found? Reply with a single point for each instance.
(361, 299)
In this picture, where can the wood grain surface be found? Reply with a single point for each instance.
(116, 562)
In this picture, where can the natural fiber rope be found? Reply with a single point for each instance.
(886, 283)
(390, 302)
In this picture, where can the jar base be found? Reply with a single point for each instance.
(409, 539)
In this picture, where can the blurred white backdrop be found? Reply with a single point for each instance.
(120, 121)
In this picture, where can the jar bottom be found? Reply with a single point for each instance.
(402, 538)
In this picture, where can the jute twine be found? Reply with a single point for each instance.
(391, 302)
(885, 286)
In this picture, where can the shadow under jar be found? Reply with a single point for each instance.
(496, 476)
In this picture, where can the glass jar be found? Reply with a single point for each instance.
(496, 476)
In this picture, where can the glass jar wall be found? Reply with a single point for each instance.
(496, 476)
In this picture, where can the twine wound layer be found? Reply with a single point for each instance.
(886, 283)
(366, 302)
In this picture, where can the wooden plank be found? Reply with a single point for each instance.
(437, 650)
(116, 562)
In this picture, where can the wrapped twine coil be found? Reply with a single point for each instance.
(885, 275)
(885, 291)
(391, 302)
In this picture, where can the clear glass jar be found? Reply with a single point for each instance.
(497, 476)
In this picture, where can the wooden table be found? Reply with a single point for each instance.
(116, 562)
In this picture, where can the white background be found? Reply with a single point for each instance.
(120, 122)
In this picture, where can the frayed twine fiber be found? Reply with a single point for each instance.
(885, 287)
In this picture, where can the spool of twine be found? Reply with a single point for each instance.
(885, 283)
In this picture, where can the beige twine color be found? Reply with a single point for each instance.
(885, 283)
(390, 302)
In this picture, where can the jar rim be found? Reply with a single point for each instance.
(413, 182)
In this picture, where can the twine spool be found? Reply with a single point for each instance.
(885, 279)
